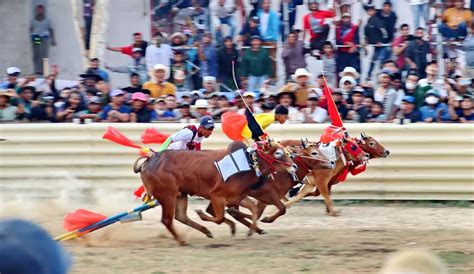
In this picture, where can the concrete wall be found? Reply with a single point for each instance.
(427, 161)
(15, 43)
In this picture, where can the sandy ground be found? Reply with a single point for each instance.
(304, 240)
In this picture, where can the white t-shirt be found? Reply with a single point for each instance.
(161, 55)
(264, 18)
(182, 138)
(319, 114)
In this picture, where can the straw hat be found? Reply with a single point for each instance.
(159, 67)
(351, 71)
(201, 103)
(300, 72)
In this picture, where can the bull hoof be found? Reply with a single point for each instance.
(250, 233)
(334, 213)
(261, 232)
(209, 235)
(232, 231)
(266, 220)
(182, 243)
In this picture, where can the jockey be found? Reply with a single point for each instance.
(190, 137)
(266, 119)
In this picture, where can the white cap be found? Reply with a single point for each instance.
(13, 70)
(249, 93)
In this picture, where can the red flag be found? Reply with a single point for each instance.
(233, 124)
(332, 109)
(153, 136)
(81, 218)
(118, 137)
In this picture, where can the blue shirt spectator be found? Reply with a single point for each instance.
(434, 111)
(269, 23)
(208, 57)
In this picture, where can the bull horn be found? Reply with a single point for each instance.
(363, 135)
(303, 144)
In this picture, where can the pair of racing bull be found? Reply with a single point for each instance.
(172, 175)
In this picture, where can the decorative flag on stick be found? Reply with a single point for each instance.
(253, 125)
(112, 134)
(153, 136)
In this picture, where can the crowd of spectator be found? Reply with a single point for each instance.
(198, 70)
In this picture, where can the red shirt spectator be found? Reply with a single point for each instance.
(138, 42)
(314, 20)
(399, 45)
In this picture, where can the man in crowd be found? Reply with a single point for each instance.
(207, 56)
(94, 68)
(389, 19)
(12, 79)
(358, 111)
(136, 66)
(293, 54)
(408, 110)
(269, 27)
(222, 14)
(256, 65)
(376, 34)
(456, 21)
(158, 86)
(116, 111)
(420, 9)
(347, 35)
(400, 44)
(300, 86)
(8, 112)
(313, 113)
(42, 34)
(139, 112)
(138, 42)
(92, 112)
(158, 53)
(313, 23)
(249, 30)
(88, 7)
(434, 110)
(227, 58)
(416, 53)
(135, 85)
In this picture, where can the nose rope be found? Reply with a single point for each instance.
(315, 158)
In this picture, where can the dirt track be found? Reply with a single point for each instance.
(304, 240)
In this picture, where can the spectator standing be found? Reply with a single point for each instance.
(291, 9)
(329, 59)
(420, 9)
(340, 103)
(207, 56)
(223, 14)
(116, 111)
(416, 53)
(249, 30)
(386, 94)
(347, 34)
(426, 84)
(389, 19)
(269, 26)
(408, 110)
(313, 113)
(178, 64)
(400, 44)
(42, 34)
(376, 34)
(457, 20)
(434, 111)
(227, 58)
(201, 16)
(8, 113)
(159, 53)
(256, 65)
(87, 12)
(139, 112)
(138, 42)
(314, 24)
(293, 54)
(300, 87)
(179, 80)
(94, 68)
(136, 66)
(158, 86)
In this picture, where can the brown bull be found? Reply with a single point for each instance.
(325, 180)
(308, 158)
(349, 151)
(173, 175)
